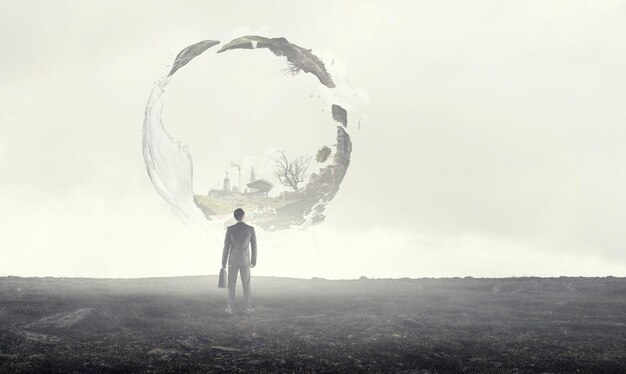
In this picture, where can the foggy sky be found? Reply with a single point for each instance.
(494, 144)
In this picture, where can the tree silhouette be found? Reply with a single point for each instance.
(290, 172)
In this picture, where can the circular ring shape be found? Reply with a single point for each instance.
(170, 167)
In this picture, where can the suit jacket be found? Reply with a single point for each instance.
(239, 238)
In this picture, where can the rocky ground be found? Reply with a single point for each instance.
(382, 325)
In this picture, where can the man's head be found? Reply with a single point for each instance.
(239, 214)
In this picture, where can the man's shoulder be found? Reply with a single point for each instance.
(241, 224)
(248, 227)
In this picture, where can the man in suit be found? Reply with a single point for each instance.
(239, 238)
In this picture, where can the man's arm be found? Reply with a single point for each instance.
(226, 251)
(253, 245)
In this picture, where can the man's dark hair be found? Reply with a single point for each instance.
(238, 214)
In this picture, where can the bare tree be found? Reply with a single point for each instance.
(291, 172)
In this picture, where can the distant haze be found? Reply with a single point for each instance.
(492, 144)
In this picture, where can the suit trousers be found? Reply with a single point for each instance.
(244, 270)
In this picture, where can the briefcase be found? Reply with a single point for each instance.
(223, 278)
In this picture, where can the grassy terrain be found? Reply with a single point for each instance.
(226, 205)
(403, 325)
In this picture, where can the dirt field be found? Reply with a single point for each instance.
(402, 325)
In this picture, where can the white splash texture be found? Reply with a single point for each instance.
(168, 161)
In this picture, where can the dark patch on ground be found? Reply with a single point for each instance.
(403, 325)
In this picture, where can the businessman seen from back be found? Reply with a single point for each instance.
(240, 254)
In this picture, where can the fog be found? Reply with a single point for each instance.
(491, 142)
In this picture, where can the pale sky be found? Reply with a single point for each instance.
(493, 145)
